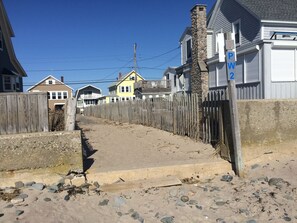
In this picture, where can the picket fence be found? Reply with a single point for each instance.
(179, 116)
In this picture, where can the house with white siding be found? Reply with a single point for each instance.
(180, 77)
(265, 34)
(87, 96)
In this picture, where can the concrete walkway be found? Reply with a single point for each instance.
(131, 152)
(134, 152)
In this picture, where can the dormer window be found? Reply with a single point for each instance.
(132, 78)
(50, 81)
(236, 29)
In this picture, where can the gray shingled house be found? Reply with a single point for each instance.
(11, 72)
(266, 39)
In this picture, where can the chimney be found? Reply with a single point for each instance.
(62, 79)
(120, 76)
(199, 31)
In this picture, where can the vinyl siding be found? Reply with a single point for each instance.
(268, 30)
(229, 12)
(276, 89)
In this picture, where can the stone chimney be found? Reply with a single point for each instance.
(199, 72)
(62, 79)
(199, 45)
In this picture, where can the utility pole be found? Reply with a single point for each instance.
(135, 61)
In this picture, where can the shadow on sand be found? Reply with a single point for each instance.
(88, 150)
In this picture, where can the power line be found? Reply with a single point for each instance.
(90, 69)
(154, 57)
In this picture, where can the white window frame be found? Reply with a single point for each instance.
(239, 31)
(216, 41)
(63, 94)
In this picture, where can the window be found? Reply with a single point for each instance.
(189, 49)
(50, 82)
(7, 83)
(48, 95)
(175, 76)
(127, 99)
(132, 78)
(127, 89)
(88, 92)
(236, 28)
(17, 83)
(59, 95)
(64, 94)
(54, 95)
(112, 100)
(123, 99)
(1, 40)
(123, 89)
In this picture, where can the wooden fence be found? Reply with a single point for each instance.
(212, 116)
(179, 116)
(23, 113)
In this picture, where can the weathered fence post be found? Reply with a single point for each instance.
(230, 60)
(70, 114)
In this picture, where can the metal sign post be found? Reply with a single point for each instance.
(231, 65)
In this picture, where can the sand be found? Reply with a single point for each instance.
(255, 198)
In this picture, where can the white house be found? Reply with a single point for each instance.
(266, 43)
(87, 96)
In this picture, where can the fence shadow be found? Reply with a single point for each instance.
(88, 150)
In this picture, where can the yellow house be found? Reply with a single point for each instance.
(123, 89)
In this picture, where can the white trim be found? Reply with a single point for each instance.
(248, 50)
(62, 95)
(284, 44)
(233, 24)
(262, 32)
(49, 76)
(278, 22)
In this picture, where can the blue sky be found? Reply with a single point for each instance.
(90, 42)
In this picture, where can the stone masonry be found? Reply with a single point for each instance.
(199, 71)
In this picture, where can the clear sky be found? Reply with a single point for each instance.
(90, 42)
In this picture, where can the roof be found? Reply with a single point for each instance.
(170, 70)
(124, 77)
(49, 76)
(277, 10)
(7, 34)
(76, 93)
(188, 31)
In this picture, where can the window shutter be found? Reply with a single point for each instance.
(282, 64)
(252, 67)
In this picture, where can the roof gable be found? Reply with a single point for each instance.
(125, 77)
(188, 31)
(46, 78)
(87, 86)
